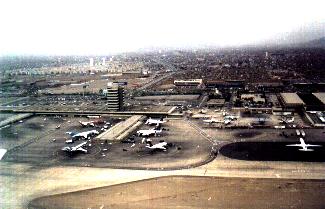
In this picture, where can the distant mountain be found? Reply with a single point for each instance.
(308, 35)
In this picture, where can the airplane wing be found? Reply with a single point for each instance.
(294, 145)
(85, 134)
(82, 149)
(66, 149)
(313, 145)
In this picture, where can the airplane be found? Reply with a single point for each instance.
(93, 116)
(203, 111)
(227, 121)
(213, 120)
(78, 147)
(287, 120)
(159, 146)
(231, 117)
(148, 132)
(303, 134)
(304, 145)
(86, 124)
(162, 145)
(156, 122)
(91, 123)
(84, 134)
(279, 127)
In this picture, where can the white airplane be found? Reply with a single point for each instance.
(92, 123)
(160, 146)
(279, 127)
(304, 145)
(213, 120)
(287, 120)
(303, 134)
(87, 123)
(84, 134)
(148, 132)
(227, 121)
(156, 122)
(231, 117)
(203, 111)
(93, 116)
(78, 147)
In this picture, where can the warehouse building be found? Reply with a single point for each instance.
(321, 98)
(188, 83)
(291, 102)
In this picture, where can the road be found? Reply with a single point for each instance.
(168, 66)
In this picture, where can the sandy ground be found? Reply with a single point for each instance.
(23, 182)
(195, 192)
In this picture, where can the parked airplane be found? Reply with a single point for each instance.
(303, 134)
(279, 127)
(148, 132)
(287, 120)
(213, 120)
(159, 146)
(86, 124)
(78, 147)
(91, 123)
(298, 132)
(156, 122)
(304, 145)
(93, 116)
(231, 117)
(84, 134)
(227, 121)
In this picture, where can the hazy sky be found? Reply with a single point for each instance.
(95, 26)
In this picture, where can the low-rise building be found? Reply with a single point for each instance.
(291, 101)
(188, 83)
(216, 103)
(257, 98)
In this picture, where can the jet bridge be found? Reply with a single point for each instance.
(122, 129)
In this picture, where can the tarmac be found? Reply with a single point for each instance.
(23, 182)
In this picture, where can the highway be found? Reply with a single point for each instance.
(80, 112)
(157, 80)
